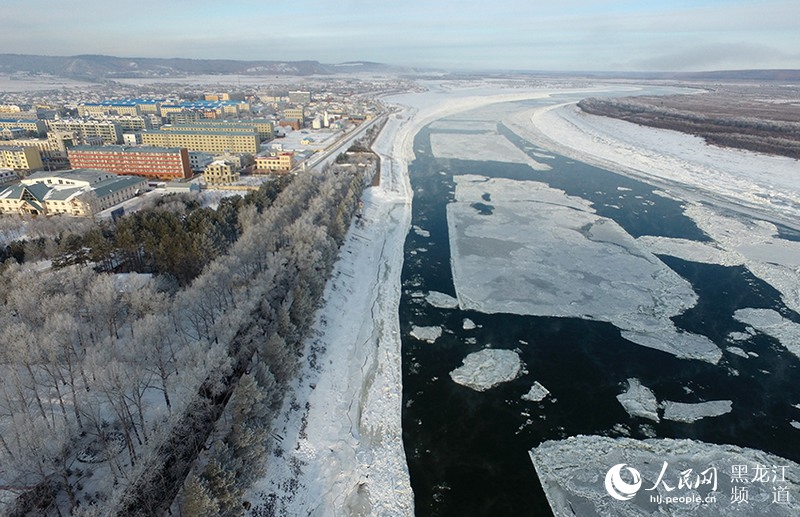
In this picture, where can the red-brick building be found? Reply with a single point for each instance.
(151, 162)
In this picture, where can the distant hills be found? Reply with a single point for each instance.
(98, 67)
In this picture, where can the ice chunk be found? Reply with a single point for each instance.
(487, 368)
(429, 334)
(639, 401)
(468, 324)
(773, 324)
(576, 472)
(795, 424)
(575, 264)
(537, 393)
(421, 231)
(682, 412)
(441, 300)
(738, 351)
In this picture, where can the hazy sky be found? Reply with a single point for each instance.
(462, 34)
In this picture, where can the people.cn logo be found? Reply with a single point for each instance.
(617, 487)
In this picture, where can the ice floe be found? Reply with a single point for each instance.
(735, 241)
(421, 231)
(688, 413)
(571, 263)
(441, 300)
(537, 393)
(735, 350)
(579, 475)
(468, 324)
(770, 322)
(487, 368)
(639, 401)
(429, 334)
(482, 147)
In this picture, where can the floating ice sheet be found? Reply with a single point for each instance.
(639, 401)
(688, 413)
(487, 368)
(773, 324)
(441, 300)
(573, 474)
(429, 334)
(544, 253)
(481, 147)
(537, 393)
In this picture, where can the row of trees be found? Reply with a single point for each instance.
(746, 132)
(104, 376)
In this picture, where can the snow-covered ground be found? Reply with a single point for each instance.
(664, 477)
(764, 183)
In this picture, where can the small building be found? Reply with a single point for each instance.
(278, 162)
(220, 172)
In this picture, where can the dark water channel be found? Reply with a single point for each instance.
(468, 451)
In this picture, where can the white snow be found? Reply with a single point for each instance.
(683, 412)
(441, 300)
(575, 264)
(487, 368)
(573, 472)
(773, 324)
(639, 401)
(537, 393)
(665, 157)
(429, 334)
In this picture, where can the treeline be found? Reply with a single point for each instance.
(779, 137)
(112, 384)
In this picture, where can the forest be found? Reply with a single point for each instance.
(133, 347)
(759, 119)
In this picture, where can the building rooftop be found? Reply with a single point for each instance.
(127, 149)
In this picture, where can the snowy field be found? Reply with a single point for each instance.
(576, 264)
(572, 472)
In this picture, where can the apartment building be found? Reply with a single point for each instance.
(108, 131)
(204, 139)
(132, 107)
(149, 162)
(263, 127)
(21, 159)
(31, 126)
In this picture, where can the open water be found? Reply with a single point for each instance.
(468, 451)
